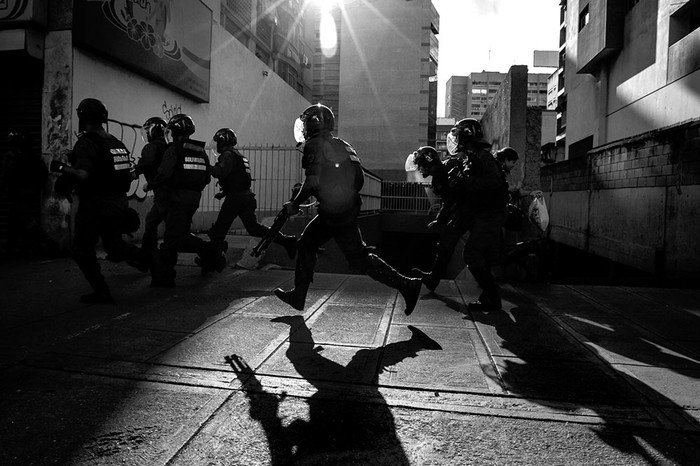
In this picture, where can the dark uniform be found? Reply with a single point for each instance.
(103, 207)
(232, 169)
(181, 177)
(151, 157)
(334, 176)
(486, 197)
(453, 219)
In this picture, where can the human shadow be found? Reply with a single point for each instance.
(349, 421)
(540, 361)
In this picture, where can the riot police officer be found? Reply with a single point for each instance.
(232, 169)
(452, 220)
(181, 177)
(153, 134)
(103, 174)
(333, 174)
(486, 197)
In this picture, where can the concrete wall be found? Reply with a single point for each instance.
(508, 122)
(634, 201)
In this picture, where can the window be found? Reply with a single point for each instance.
(684, 21)
(583, 18)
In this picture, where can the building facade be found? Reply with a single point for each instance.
(377, 74)
(628, 67)
(470, 96)
(628, 188)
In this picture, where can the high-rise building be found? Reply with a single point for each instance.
(469, 96)
(375, 65)
(279, 35)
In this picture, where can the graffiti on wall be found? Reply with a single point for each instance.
(170, 110)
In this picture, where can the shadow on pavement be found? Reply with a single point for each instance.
(541, 362)
(336, 432)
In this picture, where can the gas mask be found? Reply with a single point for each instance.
(452, 142)
(145, 134)
(168, 135)
(299, 131)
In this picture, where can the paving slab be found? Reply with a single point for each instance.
(619, 341)
(444, 358)
(348, 325)
(559, 300)
(573, 381)
(348, 380)
(643, 308)
(436, 310)
(525, 333)
(361, 291)
(116, 342)
(323, 363)
(332, 430)
(667, 387)
(243, 334)
(89, 420)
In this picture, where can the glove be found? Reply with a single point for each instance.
(57, 166)
(292, 209)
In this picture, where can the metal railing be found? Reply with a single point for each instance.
(275, 170)
(408, 197)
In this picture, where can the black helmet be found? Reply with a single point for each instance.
(92, 111)
(507, 153)
(154, 128)
(16, 139)
(226, 137)
(317, 119)
(465, 131)
(426, 157)
(181, 125)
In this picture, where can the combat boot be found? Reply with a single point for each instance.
(431, 280)
(212, 257)
(141, 260)
(303, 276)
(409, 287)
(490, 299)
(296, 297)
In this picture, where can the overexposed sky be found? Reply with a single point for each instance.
(493, 35)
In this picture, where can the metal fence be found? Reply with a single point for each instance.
(408, 197)
(275, 170)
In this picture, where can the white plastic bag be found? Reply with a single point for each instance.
(538, 213)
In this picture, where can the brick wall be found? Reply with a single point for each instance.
(636, 201)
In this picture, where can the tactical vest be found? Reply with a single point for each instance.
(158, 146)
(239, 179)
(494, 198)
(340, 177)
(191, 170)
(112, 168)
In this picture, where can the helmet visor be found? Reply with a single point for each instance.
(168, 135)
(452, 141)
(299, 133)
(214, 147)
(144, 133)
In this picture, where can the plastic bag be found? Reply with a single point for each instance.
(538, 213)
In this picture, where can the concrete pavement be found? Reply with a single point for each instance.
(218, 371)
